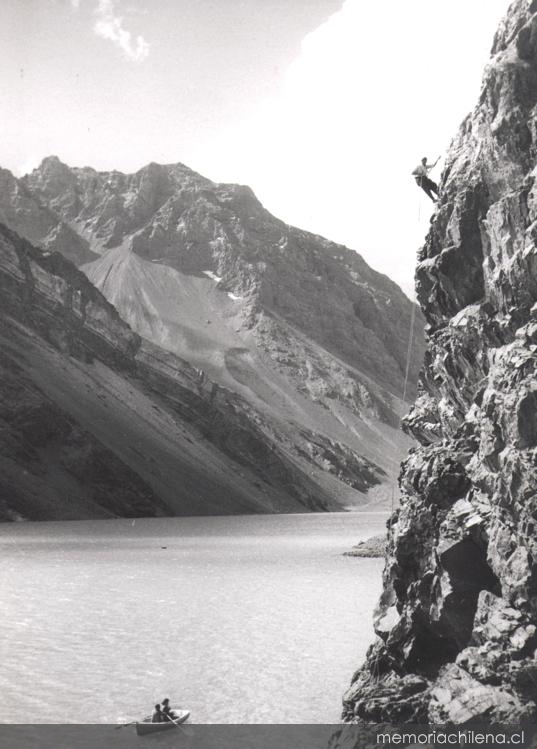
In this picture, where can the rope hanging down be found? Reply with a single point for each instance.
(407, 372)
(409, 348)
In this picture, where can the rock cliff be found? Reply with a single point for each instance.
(457, 620)
(301, 329)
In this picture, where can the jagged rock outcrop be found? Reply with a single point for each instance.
(22, 211)
(97, 422)
(457, 621)
(300, 328)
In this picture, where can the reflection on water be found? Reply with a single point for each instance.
(241, 619)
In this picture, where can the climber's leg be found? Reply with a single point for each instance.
(427, 185)
(433, 187)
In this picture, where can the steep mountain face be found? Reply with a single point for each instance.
(171, 215)
(457, 621)
(97, 422)
(300, 328)
(23, 212)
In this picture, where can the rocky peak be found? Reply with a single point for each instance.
(52, 177)
(52, 165)
(7, 180)
(24, 211)
(457, 621)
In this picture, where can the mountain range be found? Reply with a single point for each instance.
(222, 361)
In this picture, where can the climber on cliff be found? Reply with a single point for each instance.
(421, 173)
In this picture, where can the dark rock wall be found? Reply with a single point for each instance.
(50, 294)
(457, 621)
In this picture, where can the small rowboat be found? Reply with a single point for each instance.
(145, 727)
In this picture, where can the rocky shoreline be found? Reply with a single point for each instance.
(371, 548)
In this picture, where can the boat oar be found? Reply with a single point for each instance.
(172, 720)
(124, 725)
(178, 724)
(186, 729)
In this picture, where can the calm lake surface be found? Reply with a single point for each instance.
(251, 619)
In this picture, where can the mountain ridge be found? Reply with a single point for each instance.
(97, 422)
(299, 328)
(172, 214)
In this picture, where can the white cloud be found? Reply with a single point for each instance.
(110, 26)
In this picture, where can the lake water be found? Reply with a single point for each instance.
(256, 619)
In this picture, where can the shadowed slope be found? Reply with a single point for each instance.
(96, 422)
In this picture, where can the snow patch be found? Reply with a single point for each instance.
(212, 275)
(234, 297)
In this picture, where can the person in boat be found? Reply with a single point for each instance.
(157, 716)
(167, 712)
(421, 175)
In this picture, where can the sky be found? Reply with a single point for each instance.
(323, 107)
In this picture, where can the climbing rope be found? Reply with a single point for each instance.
(407, 373)
(375, 668)
(409, 347)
